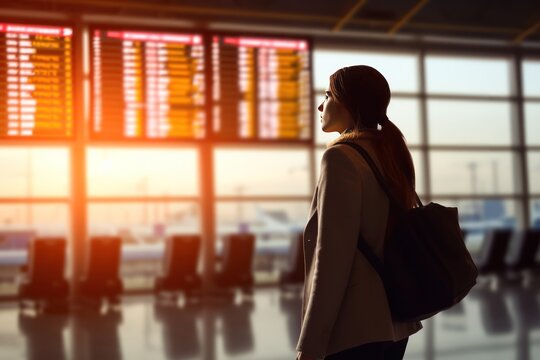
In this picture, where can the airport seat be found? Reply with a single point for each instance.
(101, 279)
(180, 265)
(294, 275)
(236, 265)
(42, 281)
(523, 249)
(493, 251)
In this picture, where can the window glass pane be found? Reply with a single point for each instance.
(531, 78)
(143, 228)
(400, 70)
(469, 122)
(34, 172)
(322, 137)
(405, 113)
(142, 172)
(532, 122)
(275, 225)
(261, 172)
(534, 171)
(418, 168)
(479, 172)
(535, 213)
(478, 216)
(140, 223)
(468, 75)
(262, 218)
(19, 223)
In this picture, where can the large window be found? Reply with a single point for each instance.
(461, 115)
(470, 126)
(472, 133)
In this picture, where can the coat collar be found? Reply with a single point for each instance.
(355, 136)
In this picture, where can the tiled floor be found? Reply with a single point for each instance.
(502, 324)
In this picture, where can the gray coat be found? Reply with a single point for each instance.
(344, 302)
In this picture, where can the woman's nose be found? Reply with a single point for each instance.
(320, 108)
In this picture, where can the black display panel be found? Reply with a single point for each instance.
(261, 88)
(147, 85)
(36, 90)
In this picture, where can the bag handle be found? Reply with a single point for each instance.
(380, 178)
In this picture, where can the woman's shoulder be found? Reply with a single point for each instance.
(344, 151)
(337, 153)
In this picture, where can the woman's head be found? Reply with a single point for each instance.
(357, 97)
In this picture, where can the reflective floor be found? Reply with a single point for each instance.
(488, 324)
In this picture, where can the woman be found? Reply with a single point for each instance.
(345, 313)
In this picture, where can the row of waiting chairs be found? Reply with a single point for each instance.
(508, 251)
(502, 250)
(43, 282)
(181, 260)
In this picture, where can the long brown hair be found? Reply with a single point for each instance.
(365, 93)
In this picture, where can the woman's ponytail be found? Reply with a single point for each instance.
(398, 160)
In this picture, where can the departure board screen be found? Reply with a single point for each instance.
(147, 85)
(261, 88)
(35, 81)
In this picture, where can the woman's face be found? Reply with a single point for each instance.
(334, 116)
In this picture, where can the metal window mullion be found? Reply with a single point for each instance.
(207, 186)
(520, 139)
(424, 126)
(255, 198)
(78, 210)
(143, 199)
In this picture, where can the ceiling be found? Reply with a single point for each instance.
(515, 21)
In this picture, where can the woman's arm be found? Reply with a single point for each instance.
(339, 211)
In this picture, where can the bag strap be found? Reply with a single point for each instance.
(378, 175)
(361, 244)
(371, 257)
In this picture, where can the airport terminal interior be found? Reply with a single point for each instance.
(159, 160)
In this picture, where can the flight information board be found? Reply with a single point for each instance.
(35, 81)
(147, 85)
(261, 88)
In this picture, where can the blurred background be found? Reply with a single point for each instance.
(144, 120)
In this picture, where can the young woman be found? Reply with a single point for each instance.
(345, 313)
